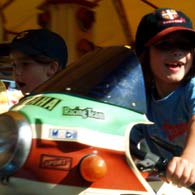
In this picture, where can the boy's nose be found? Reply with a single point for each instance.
(177, 53)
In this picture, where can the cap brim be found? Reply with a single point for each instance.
(24, 48)
(166, 32)
(5, 49)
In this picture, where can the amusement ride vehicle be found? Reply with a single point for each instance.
(71, 135)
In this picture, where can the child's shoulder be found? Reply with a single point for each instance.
(192, 81)
(190, 85)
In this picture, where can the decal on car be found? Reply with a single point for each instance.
(84, 113)
(48, 103)
(62, 134)
(55, 162)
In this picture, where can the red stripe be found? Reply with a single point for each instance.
(119, 175)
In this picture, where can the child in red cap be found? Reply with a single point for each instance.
(165, 42)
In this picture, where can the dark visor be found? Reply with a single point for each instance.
(112, 75)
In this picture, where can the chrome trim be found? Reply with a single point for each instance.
(15, 142)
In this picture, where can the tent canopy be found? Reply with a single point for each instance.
(19, 14)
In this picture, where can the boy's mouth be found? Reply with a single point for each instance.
(20, 84)
(174, 65)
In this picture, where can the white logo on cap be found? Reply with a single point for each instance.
(169, 14)
(21, 35)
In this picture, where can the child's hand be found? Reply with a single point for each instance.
(181, 171)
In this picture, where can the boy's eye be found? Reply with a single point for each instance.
(164, 45)
(25, 63)
(22, 63)
(169, 45)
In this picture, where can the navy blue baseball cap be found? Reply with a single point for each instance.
(38, 42)
(161, 22)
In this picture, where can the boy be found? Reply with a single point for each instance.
(36, 55)
(165, 42)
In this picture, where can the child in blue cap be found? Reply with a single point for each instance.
(36, 55)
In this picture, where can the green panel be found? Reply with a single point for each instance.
(70, 111)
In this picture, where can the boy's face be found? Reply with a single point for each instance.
(171, 58)
(27, 73)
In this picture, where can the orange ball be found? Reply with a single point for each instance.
(93, 168)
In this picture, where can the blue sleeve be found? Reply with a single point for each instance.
(190, 97)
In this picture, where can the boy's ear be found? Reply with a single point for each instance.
(53, 68)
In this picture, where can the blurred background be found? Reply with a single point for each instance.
(84, 24)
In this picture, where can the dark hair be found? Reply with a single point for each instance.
(43, 59)
(147, 72)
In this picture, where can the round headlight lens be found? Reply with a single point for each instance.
(15, 142)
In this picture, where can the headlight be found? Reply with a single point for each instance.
(15, 142)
